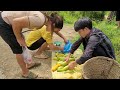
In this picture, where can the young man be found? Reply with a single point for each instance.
(95, 42)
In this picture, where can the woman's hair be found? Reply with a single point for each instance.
(57, 20)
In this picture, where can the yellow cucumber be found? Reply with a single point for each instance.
(54, 68)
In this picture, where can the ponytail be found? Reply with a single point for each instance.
(53, 17)
(58, 20)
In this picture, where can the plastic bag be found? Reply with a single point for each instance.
(67, 47)
(26, 55)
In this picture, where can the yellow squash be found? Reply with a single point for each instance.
(54, 68)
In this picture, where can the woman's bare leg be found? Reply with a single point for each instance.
(39, 53)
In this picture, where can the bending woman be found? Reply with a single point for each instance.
(41, 39)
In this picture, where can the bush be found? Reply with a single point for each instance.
(94, 15)
(70, 16)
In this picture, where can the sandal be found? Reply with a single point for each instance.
(31, 75)
(33, 65)
(41, 56)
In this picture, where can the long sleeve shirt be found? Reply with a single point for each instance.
(96, 43)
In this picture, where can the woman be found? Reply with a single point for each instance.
(41, 39)
(11, 25)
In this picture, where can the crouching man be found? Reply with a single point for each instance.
(94, 41)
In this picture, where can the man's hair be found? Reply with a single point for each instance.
(82, 23)
(57, 19)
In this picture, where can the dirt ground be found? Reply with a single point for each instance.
(9, 68)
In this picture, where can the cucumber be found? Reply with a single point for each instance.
(62, 69)
(72, 59)
(54, 68)
(69, 71)
(63, 63)
(61, 55)
(71, 56)
(55, 58)
(61, 58)
(65, 68)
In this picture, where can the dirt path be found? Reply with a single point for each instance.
(9, 69)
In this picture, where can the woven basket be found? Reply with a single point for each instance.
(101, 68)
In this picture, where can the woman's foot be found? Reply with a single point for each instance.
(41, 56)
(32, 65)
(30, 75)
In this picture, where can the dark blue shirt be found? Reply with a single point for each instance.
(95, 44)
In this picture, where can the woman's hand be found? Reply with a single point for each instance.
(65, 40)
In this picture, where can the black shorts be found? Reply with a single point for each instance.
(7, 34)
(37, 44)
(117, 15)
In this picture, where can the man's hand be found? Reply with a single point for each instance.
(21, 42)
(72, 65)
(67, 58)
